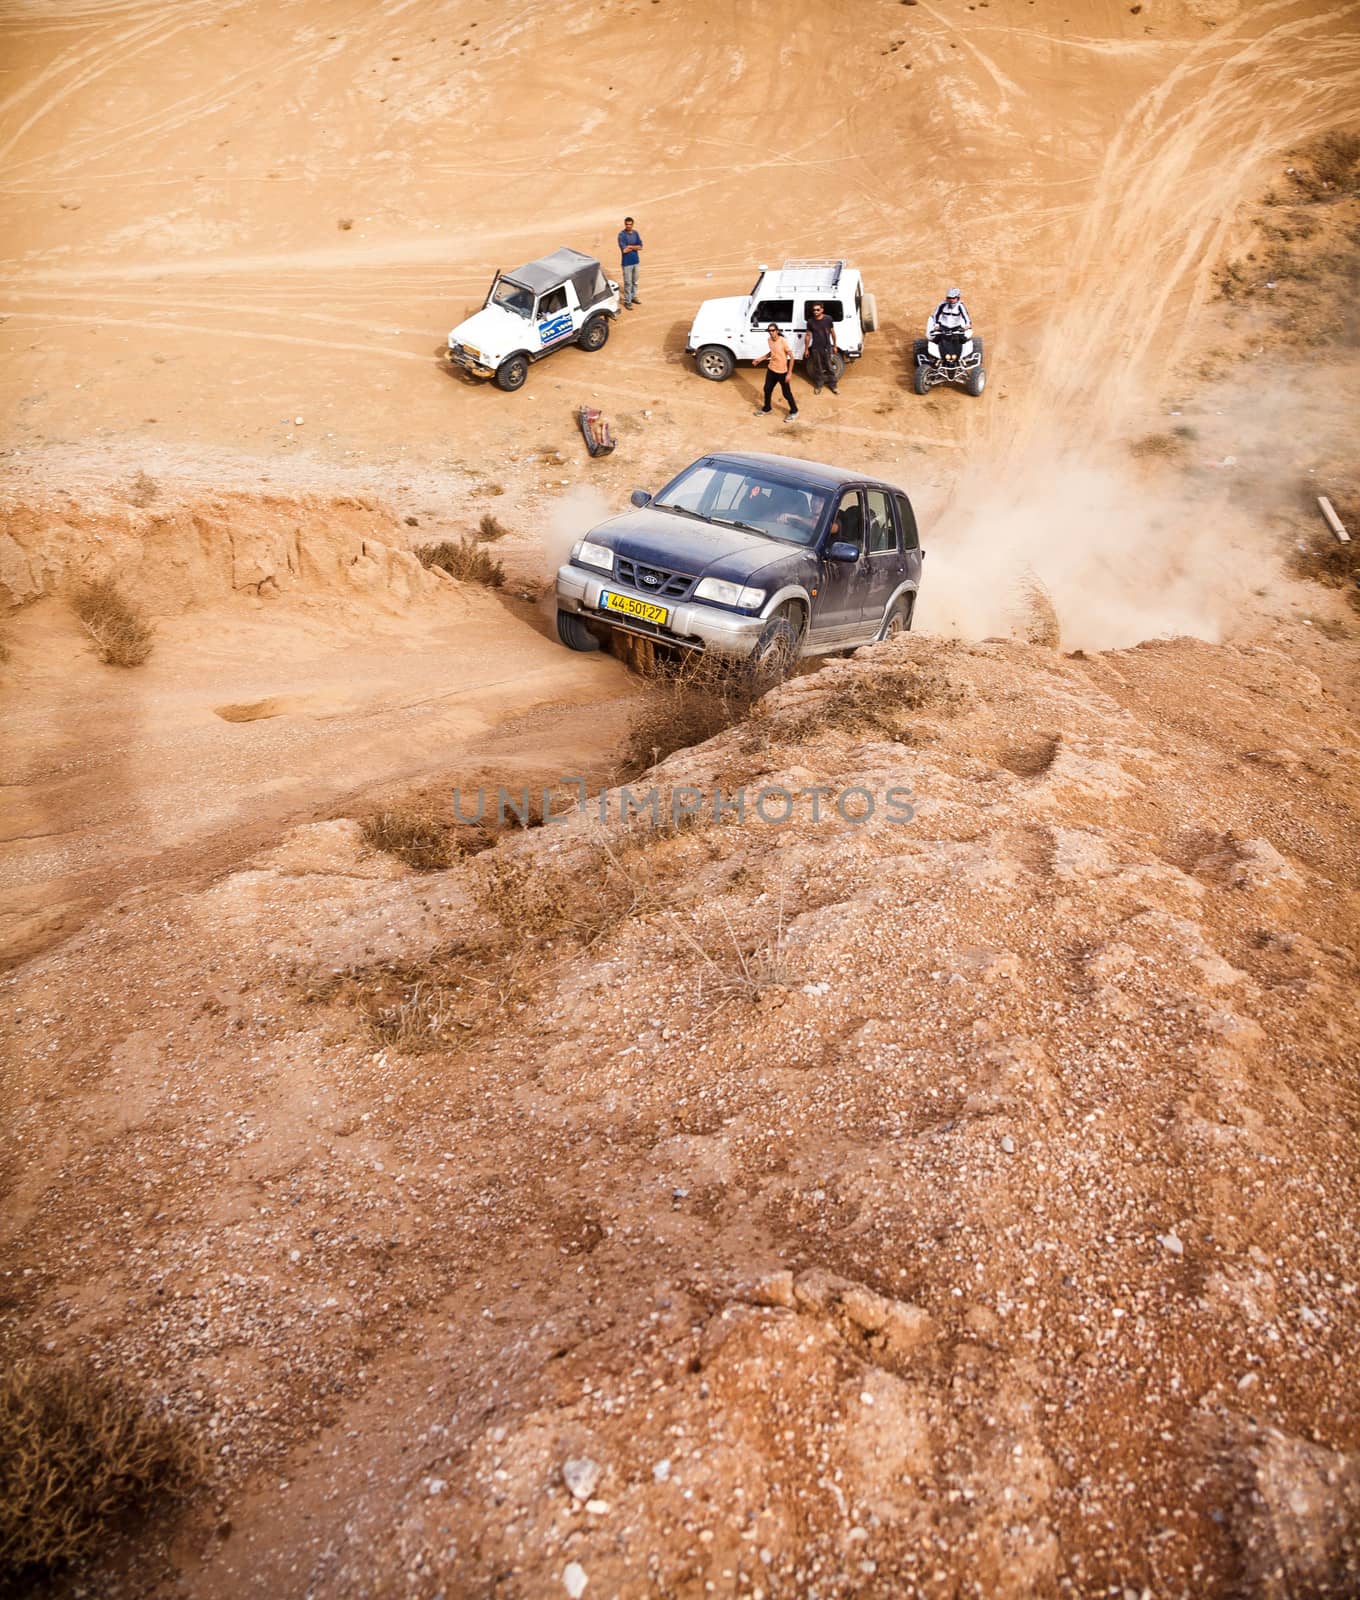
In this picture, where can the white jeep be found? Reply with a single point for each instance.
(735, 328)
(563, 298)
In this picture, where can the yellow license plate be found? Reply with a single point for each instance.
(626, 604)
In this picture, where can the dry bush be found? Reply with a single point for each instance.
(582, 899)
(686, 705)
(144, 489)
(1325, 559)
(121, 633)
(1157, 444)
(415, 834)
(79, 1455)
(456, 991)
(344, 224)
(1041, 615)
(491, 528)
(741, 968)
(465, 560)
(870, 696)
(1329, 166)
(527, 908)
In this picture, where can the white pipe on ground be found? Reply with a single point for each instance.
(1333, 521)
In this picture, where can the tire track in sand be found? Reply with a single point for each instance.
(1161, 211)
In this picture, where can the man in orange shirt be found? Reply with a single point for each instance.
(780, 357)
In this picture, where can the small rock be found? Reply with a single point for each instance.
(771, 1289)
(662, 1470)
(435, 1486)
(580, 1474)
(597, 1508)
(1008, 1144)
(574, 1579)
(1171, 1242)
(298, 421)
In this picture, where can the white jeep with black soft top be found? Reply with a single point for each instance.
(736, 328)
(560, 299)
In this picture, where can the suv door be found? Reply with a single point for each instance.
(883, 560)
(553, 316)
(763, 313)
(911, 540)
(840, 584)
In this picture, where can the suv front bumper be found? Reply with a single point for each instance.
(470, 363)
(690, 623)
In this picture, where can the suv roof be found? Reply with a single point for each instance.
(819, 273)
(809, 472)
(551, 270)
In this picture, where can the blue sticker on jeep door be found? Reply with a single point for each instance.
(557, 327)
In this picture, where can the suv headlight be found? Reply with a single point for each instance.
(729, 594)
(594, 555)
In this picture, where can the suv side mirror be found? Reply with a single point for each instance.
(640, 497)
(842, 550)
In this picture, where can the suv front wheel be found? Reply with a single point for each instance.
(715, 363)
(573, 632)
(776, 651)
(512, 373)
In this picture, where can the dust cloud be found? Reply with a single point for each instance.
(1122, 556)
(572, 517)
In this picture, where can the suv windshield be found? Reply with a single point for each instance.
(743, 497)
(514, 298)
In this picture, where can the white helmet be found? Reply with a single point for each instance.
(951, 294)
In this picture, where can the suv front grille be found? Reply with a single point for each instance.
(654, 580)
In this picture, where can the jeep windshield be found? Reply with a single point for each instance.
(740, 497)
(513, 297)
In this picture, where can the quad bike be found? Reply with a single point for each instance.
(948, 358)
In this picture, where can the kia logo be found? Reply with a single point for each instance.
(651, 578)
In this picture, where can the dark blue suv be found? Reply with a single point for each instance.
(758, 556)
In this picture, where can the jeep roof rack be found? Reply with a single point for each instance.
(815, 269)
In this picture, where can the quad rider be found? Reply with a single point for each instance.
(950, 324)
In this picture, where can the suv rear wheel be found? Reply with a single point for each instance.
(595, 334)
(715, 363)
(899, 618)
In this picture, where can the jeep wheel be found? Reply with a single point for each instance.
(899, 618)
(512, 373)
(595, 334)
(775, 653)
(919, 382)
(715, 363)
(977, 381)
(868, 314)
(573, 632)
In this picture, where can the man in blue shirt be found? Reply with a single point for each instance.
(630, 248)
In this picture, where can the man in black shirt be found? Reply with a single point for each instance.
(821, 346)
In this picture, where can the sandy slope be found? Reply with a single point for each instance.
(958, 1208)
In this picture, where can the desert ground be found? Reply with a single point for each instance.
(827, 1209)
